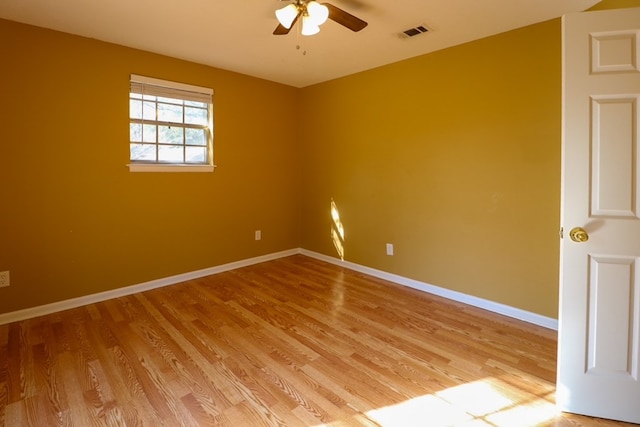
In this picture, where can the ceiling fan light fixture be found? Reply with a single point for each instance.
(309, 27)
(287, 15)
(313, 14)
(318, 13)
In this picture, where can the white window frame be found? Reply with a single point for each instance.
(165, 88)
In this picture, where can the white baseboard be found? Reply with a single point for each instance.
(492, 306)
(133, 289)
(495, 307)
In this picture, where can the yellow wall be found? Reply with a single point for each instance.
(73, 219)
(454, 157)
(616, 4)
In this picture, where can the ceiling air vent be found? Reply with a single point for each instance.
(412, 32)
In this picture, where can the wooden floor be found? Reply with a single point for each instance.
(292, 342)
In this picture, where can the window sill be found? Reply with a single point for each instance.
(154, 167)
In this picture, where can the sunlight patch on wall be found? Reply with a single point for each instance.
(337, 230)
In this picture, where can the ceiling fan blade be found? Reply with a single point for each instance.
(282, 30)
(344, 18)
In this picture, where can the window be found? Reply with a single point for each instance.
(170, 126)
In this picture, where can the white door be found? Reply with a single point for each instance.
(599, 328)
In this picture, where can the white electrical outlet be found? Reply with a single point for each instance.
(4, 279)
(389, 248)
(258, 235)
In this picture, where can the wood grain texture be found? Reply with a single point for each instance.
(290, 342)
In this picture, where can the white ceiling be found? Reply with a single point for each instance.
(237, 35)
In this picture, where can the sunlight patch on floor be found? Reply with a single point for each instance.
(417, 411)
(487, 402)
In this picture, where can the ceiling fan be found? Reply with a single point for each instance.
(313, 15)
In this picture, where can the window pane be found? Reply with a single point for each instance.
(196, 155)
(196, 137)
(196, 116)
(135, 109)
(195, 104)
(143, 152)
(149, 133)
(170, 100)
(170, 154)
(135, 132)
(166, 128)
(149, 111)
(170, 113)
(171, 134)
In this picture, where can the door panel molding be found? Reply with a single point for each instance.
(613, 333)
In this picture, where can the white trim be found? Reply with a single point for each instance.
(42, 310)
(516, 313)
(159, 167)
(168, 83)
(495, 307)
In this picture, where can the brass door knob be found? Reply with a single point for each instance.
(579, 234)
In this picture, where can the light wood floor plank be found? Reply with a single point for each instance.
(290, 342)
